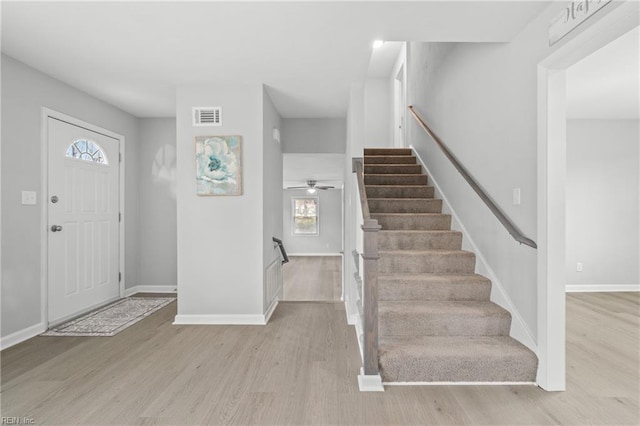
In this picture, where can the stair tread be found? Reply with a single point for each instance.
(418, 231)
(409, 214)
(395, 174)
(401, 199)
(455, 346)
(426, 252)
(461, 308)
(434, 277)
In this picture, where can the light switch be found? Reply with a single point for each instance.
(579, 267)
(516, 196)
(28, 198)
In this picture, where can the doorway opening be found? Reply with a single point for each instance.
(552, 179)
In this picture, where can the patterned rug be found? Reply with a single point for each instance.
(111, 319)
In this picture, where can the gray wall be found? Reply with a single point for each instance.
(378, 107)
(481, 99)
(329, 240)
(157, 180)
(24, 92)
(314, 135)
(602, 202)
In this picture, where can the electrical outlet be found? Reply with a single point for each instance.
(579, 267)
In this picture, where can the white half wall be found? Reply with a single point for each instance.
(603, 218)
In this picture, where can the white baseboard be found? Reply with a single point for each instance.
(601, 288)
(271, 309)
(459, 384)
(231, 319)
(149, 289)
(370, 383)
(22, 335)
(499, 296)
(314, 254)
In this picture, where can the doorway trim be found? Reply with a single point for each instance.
(45, 114)
(551, 176)
(399, 91)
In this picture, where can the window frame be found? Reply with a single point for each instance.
(293, 216)
(92, 160)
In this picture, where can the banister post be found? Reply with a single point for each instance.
(370, 258)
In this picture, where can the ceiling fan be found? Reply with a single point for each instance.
(312, 187)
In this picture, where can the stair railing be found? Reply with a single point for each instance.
(498, 213)
(370, 256)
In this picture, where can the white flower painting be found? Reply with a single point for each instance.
(218, 165)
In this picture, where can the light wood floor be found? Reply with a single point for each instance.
(317, 278)
(301, 369)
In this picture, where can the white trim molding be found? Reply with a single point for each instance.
(601, 288)
(271, 310)
(221, 319)
(315, 254)
(459, 383)
(369, 383)
(149, 289)
(22, 335)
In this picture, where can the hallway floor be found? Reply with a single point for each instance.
(301, 368)
(313, 278)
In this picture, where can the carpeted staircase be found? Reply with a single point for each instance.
(436, 323)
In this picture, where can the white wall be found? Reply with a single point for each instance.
(603, 220)
(481, 98)
(222, 240)
(24, 92)
(378, 110)
(157, 180)
(329, 240)
(313, 135)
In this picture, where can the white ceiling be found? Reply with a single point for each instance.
(134, 54)
(606, 84)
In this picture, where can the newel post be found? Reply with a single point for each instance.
(370, 258)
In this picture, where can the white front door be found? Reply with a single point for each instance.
(83, 213)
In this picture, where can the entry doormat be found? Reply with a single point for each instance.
(111, 319)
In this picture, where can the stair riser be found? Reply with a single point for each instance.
(405, 206)
(419, 241)
(434, 222)
(395, 169)
(387, 151)
(389, 159)
(420, 291)
(438, 263)
(409, 324)
(463, 369)
(405, 179)
(422, 191)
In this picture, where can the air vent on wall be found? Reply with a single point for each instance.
(207, 116)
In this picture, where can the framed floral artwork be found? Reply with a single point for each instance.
(218, 165)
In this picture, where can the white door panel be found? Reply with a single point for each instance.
(83, 250)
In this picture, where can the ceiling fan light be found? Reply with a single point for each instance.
(311, 191)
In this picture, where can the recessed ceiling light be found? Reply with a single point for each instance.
(378, 43)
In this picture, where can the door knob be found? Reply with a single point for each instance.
(56, 228)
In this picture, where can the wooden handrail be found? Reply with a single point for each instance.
(499, 214)
(370, 257)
